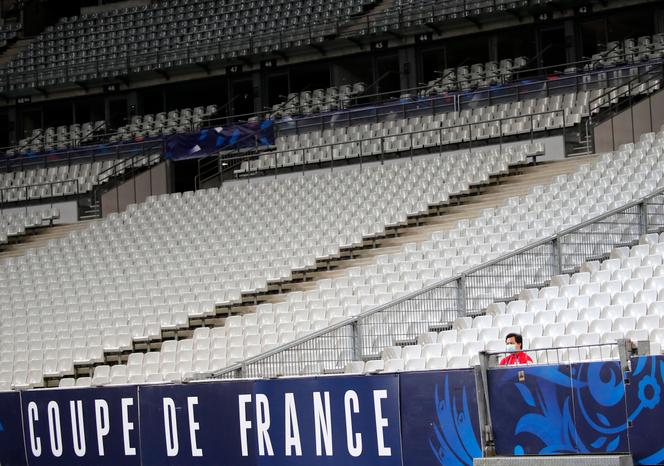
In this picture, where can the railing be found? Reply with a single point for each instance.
(466, 294)
(123, 170)
(494, 131)
(456, 101)
(82, 155)
(560, 355)
(44, 193)
(612, 102)
(616, 100)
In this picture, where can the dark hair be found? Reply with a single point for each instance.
(517, 337)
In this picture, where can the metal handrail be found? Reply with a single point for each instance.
(26, 189)
(461, 98)
(382, 139)
(639, 78)
(459, 278)
(494, 355)
(78, 154)
(359, 142)
(113, 170)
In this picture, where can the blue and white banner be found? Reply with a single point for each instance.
(439, 418)
(645, 409)
(409, 419)
(326, 421)
(559, 409)
(87, 426)
(198, 424)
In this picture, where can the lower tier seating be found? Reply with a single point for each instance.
(613, 180)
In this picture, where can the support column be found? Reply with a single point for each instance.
(407, 68)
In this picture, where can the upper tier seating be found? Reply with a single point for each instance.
(13, 224)
(477, 75)
(63, 180)
(429, 131)
(320, 100)
(622, 297)
(629, 51)
(175, 257)
(60, 138)
(155, 36)
(185, 120)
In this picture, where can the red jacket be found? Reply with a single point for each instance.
(516, 359)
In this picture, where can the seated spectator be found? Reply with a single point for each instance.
(514, 344)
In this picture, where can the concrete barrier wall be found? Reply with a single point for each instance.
(154, 181)
(628, 125)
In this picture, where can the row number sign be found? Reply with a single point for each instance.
(268, 64)
(111, 88)
(380, 45)
(234, 69)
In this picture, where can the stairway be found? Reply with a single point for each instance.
(517, 183)
(91, 212)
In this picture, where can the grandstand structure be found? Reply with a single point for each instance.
(359, 197)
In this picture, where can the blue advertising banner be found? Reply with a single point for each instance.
(600, 413)
(559, 409)
(87, 426)
(645, 409)
(197, 424)
(326, 421)
(408, 419)
(439, 418)
(209, 141)
(12, 452)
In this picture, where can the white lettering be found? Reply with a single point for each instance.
(55, 430)
(352, 405)
(77, 427)
(171, 428)
(245, 424)
(193, 426)
(103, 424)
(292, 426)
(33, 416)
(381, 423)
(263, 425)
(323, 424)
(127, 426)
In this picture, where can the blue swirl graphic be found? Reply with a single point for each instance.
(455, 441)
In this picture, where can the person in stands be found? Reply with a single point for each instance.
(514, 344)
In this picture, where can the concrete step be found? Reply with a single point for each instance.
(40, 238)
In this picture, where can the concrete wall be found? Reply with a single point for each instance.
(68, 211)
(151, 182)
(628, 125)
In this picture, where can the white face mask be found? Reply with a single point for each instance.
(511, 347)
